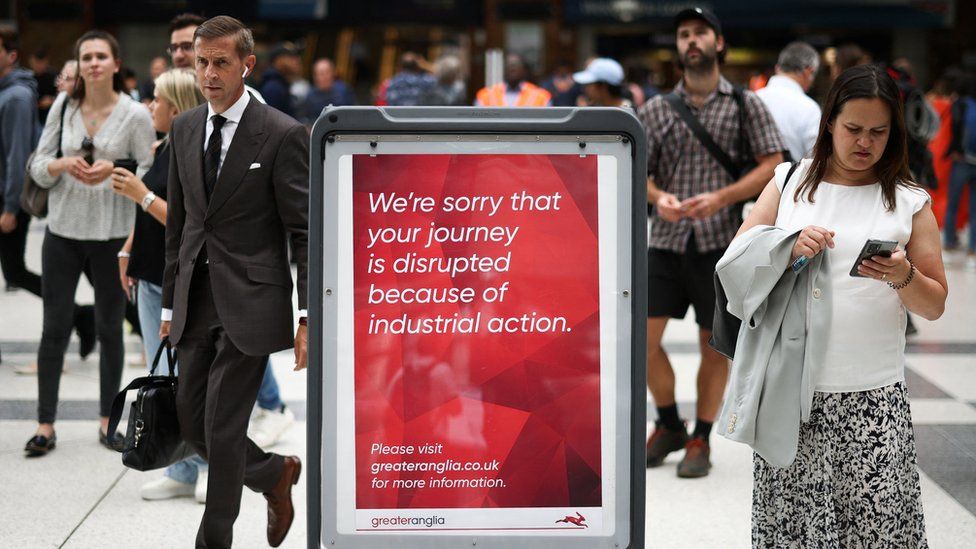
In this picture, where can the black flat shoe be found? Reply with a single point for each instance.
(40, 445)
(116, 444)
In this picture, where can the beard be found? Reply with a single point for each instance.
(706, 60)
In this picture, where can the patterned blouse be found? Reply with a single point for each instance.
(92, 212)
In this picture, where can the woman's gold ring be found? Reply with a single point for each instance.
(884, 276)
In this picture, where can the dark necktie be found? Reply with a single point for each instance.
(211, 159)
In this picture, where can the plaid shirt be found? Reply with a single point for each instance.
(682, 166)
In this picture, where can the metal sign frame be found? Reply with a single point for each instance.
(427, 127)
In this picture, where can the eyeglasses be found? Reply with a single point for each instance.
(88, 145)
(185, 46)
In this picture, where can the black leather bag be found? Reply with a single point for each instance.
(725, 325)
(152, 440)
(33, 197)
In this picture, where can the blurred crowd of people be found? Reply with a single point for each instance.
(713, 145)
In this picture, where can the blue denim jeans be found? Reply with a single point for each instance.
(149, 298)
(269, 398)
(963, 175)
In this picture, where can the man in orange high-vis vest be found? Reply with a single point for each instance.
(516, 91)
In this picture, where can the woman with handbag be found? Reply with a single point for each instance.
(141, 260)
(854, 481)
(87, 222)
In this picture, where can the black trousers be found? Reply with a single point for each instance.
(62, 262)
(218, 385)
(12, 248)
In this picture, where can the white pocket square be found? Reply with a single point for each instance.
(255, 166)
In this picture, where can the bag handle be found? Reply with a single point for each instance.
(170, 356)
(705, 138)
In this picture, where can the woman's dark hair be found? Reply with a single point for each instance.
(863, 82)
(113, 44)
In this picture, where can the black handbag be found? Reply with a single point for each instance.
(33, 197)
(725, 325)
(152, 440)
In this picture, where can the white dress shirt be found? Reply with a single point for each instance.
(233, 116)
(797, 115)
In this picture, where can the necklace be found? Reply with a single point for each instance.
(94, 122)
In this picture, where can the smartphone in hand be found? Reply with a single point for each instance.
(127, 163)
(871, 248)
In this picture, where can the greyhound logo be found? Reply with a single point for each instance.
(578, 520)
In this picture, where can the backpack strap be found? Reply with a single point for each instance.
(738, 94)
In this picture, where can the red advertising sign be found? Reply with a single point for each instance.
(477, 342)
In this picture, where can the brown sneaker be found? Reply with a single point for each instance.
(695, 464)
(663, 441)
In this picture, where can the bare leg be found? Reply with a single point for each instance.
(713, 373)
(660, 375)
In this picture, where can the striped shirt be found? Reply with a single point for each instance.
(679, 164)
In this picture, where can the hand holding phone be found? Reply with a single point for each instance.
(127, 163)
(871, 248)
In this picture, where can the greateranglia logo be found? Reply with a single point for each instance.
(579, 520)
(415, 522)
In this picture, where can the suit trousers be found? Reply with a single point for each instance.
(218, 385)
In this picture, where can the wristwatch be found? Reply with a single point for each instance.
(148, 200)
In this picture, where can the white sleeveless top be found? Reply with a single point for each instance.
(866, 344)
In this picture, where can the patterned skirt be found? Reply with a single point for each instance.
(854, 483)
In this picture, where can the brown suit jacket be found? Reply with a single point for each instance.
(245, 226)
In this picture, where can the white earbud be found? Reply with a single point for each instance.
(244, 75)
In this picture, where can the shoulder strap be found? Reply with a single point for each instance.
(118, 404)
(64, 107)
(786, 182)
(682, 110)
(738, 94)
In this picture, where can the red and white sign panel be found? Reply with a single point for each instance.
(477, 351)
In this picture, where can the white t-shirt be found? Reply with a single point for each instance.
(866, 344)
(797, 115)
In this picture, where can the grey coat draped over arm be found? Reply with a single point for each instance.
(784, 316)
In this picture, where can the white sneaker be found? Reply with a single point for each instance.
(268, 426)
(165, 488)
(200, 490)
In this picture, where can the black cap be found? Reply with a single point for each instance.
(284, 48)
(701, 14)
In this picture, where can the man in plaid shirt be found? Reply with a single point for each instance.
(694, 219)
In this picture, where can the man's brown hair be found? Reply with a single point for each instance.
(224, 25)
(185, 20)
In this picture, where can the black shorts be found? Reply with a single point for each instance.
(675, 281)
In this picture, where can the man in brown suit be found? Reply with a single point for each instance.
(238, 189)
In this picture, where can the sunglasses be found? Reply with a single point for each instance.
(88, 146)
(185, 46)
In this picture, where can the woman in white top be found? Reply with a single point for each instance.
(87, 222)
(854, 482)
